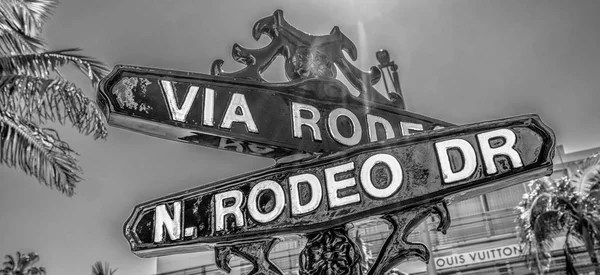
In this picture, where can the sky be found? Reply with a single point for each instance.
(459, 61)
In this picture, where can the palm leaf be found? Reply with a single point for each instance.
(38, 152)
(43, 64)
(33, 98)
(569, 256)
(13, 40)
(587, 176)
(34, 12)
(99, 269)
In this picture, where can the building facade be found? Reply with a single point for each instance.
(481, 239)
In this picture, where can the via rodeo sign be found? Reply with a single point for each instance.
(341, 158)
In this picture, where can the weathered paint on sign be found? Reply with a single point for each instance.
(365, 181)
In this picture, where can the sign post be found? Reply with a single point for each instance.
(340, 157)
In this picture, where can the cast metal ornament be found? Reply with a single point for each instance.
(340, 158)
(401, 180)
(309, 59)
(310, 115)
(330, 252)
(256, 252)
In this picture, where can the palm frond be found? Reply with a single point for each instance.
(569, 256)
(25, 265)
(587, 176)
(13, 40)
(33, 12)
(33, 98)
(542, 216)
(43, 64)
(39, 152)
(99, 269)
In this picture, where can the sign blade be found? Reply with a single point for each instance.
(365, 181)
(274, 120)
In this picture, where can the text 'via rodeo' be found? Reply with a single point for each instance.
(302, 115)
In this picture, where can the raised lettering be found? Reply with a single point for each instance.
(176, 112)
(393, 167)
(238, 104)
(316, 193)
(298, 120)
(278, 197)
(506, 149)
(234, 209)
(406, 127)
(335, 132)
(333, 185)
(163, 219)
(469, 159)
(372, 122)
(208, 115)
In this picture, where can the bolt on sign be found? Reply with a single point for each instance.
(341, 158)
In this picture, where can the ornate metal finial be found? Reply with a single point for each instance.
(386, 64)
(307, 57)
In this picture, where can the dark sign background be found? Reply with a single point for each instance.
(421, 184)
(132, 98)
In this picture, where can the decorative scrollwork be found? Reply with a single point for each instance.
(330, 252)
(307, 58)
(396, 248)
(256, 252)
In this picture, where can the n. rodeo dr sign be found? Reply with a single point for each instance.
(367, 180)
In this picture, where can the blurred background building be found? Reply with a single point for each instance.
(481, 239)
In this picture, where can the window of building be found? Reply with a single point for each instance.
(464, 208)
(506, 198)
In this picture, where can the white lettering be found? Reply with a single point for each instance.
(395, 181)
(407, 126)
(316, 193)
(469, 159)
(238, 103)
(162, 218)
(335, 132)
(278, 197)
(298, 120)
(506, 149)
(208, 118)
(371, 125)
(177, 113)
(333, 186)
(221, 210)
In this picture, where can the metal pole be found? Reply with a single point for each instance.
(424, 229)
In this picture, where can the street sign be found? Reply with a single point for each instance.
(313, 113)
(341, 156)
(364, 181)
(263, 119)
